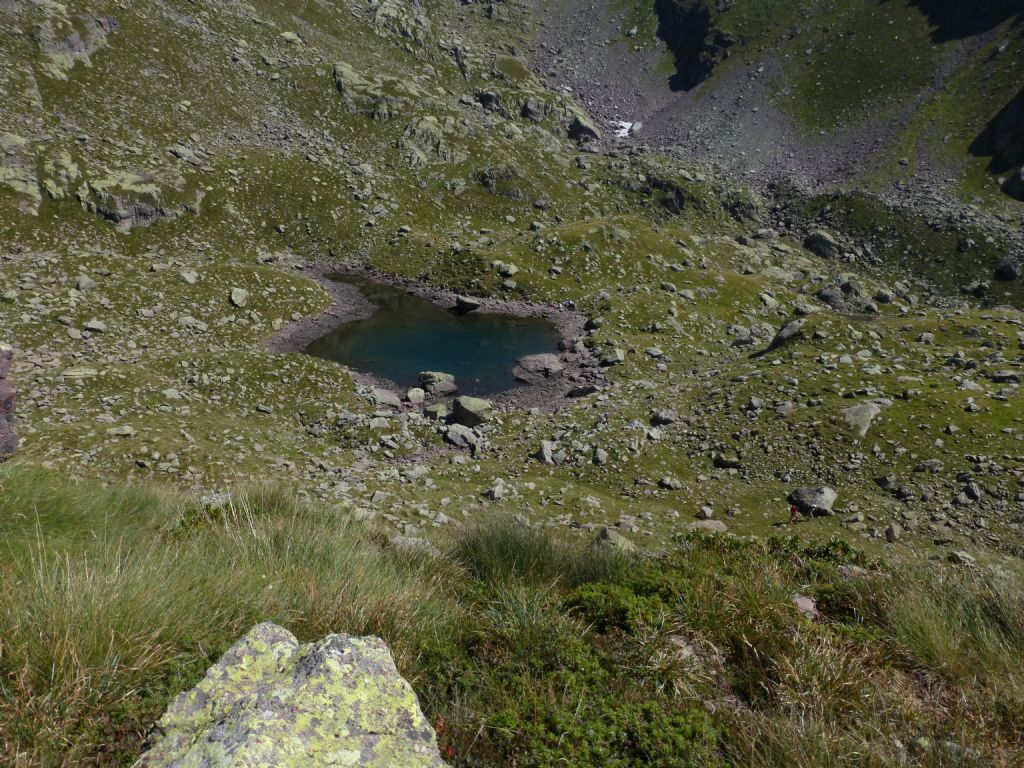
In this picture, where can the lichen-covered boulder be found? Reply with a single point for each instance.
(272, 702)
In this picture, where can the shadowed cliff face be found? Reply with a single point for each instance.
(1003, 141)
(687, 27)
(956, 19)
(1003, 137)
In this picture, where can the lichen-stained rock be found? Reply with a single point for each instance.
(860, 417)
(65, 41)
(391, 18)
(8, 433)
(423, 142)
(60, 174)
(382, 98)
(272, 702)
(18, 173)
(138, 199)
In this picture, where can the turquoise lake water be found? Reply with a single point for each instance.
(408, 334)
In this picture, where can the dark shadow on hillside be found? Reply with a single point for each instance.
(697, 45)
(1003, 138)
(957, 19)
(1003, 142)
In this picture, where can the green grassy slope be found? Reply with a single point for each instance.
(524, 647)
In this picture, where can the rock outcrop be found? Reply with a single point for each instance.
(8, 433)
(271, 701)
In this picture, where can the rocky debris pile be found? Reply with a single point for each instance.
(8, 433)
(271, 701)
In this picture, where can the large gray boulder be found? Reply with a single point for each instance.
(861, 417)
(8, 433)
(792, 330)
(814, 501)
(438, 383)
(471, 411)
(581, 129)
(1009, 269)
(271, 701)
(536, 368)
(822, 243)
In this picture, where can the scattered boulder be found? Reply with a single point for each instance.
(582, 130)
(712, 526)
(436, 412)
(386, 397)
(959, 557)
(239, 297)
(472, 411)
(497, 490)
(535, 368)
(382, 98)
(8, 403)
(814, 501)
(438, 383)
(535, 109)
(546, 453)
(822, 243)
(615, 356)
(273, 701)
(860, 417)
(807, 607)
(609, 538)
(466, 304)
(791, 330)
(461, 436)
(1008, 269)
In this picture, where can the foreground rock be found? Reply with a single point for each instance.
(270, 701)
(8, 433)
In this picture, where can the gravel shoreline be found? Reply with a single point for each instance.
(349, 305)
